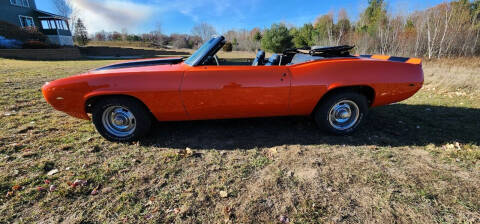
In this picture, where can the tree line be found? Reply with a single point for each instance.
(445, 30)
(448, 29)
(200, 33)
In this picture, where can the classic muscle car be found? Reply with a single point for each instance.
(329, 83)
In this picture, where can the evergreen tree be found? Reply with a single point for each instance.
(235, 42)
(81, 34)
(277, 38)
(257, 36)
(305, 36)
(374, 16)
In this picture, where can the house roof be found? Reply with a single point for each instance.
(47, 15)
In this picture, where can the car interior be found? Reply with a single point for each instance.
(261, 60)
(288, 57)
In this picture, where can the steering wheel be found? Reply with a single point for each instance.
(216, 60)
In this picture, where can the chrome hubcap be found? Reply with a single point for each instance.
(119, 121)
(343, 115)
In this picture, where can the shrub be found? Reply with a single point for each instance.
(180, 43)
(195, 41)
(34, 34)
(117, 36)
(9, 43)
(10, 31)
(35, 44)
(133, 38)
(228, 47)
(277, 38)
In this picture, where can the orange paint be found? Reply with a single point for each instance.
(415, 61)
(380, 57)
(182, 92)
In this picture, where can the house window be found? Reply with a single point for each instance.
(45, 24)
(60, 25)
(23, 3)
(65, 26)
(54, 24)
(26, 21)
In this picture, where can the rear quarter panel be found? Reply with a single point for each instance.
(391, 81)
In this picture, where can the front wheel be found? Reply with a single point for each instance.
(121, 119)
(341, 113)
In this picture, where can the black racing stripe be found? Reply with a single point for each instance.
(141, 63)
(398, 59)
(366, 55)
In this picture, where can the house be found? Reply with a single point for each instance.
(24, 13)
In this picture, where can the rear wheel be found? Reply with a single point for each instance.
(121, 119)
(341, 113)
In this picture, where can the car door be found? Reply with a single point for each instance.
(215, 92)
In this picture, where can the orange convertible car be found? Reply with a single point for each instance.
(335, 87)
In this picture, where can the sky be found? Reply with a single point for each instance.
(139, 16)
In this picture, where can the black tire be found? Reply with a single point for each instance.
(142, 119)
(335, 106)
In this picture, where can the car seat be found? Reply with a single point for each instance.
(273, 60)
(259, 59)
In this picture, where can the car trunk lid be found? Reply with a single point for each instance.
(415, 61)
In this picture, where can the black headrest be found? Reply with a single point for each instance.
(259, 58)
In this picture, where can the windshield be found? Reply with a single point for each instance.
(202, 51)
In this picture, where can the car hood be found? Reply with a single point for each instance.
(142, 63)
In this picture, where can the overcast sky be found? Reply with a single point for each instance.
(139, 16)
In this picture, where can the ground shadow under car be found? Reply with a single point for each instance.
(393, 125)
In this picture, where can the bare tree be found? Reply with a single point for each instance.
(158, 28)
(73, 18)
(204, 30)
(343, 26)
(244, 40)
(158, 38)
(448, 16)
(124, 34)
(324, 25)
(63, 7)
(433, 29)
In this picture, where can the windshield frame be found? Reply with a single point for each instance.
(209, 48)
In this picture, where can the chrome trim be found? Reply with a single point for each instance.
(344, 115)
(119, 121)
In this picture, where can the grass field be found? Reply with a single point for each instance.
(416, 161)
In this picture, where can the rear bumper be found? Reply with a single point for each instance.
(393, 93)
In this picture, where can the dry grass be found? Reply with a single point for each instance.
(417, 161)
(460, 74)
(126, 44)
